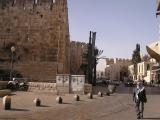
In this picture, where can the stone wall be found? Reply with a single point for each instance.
(77, 52)
(39, 31)
(41, 86)
(3, 85)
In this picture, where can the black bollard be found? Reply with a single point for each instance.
(59, 100)
(37, 102)
(76, 97)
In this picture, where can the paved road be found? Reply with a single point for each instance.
(119, 106)
(149, 90)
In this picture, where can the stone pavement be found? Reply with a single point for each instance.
(115, 107)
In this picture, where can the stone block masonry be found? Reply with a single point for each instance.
(39, 31)
(42, 86)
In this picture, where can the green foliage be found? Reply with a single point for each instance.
(8, 46)
(23, 87)
(5, 74)
(136, 57)
(84, 67)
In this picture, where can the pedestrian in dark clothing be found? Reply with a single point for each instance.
(139, 96)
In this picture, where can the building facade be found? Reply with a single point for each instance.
(117, 69)
(100, 74)
(144, 70)
(131, 71)
(39, 31)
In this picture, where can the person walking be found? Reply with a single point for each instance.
(139, 97)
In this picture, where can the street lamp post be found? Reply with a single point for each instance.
(12, 55)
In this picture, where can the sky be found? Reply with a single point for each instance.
(119, 24)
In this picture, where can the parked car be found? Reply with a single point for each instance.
(102, 82)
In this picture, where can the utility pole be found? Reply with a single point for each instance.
(89, 71)
(91, 76)
(94, 63)
(12, 58)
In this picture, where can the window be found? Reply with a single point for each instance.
(35, 1)
(53, 1)
(148, 66)
(101, 73)
(13, 2)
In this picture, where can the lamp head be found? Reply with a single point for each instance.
(13, 49)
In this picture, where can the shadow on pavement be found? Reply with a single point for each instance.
(153, 118)
(66, 103)
(17, 109)
(44, 106)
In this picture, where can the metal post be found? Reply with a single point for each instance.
(89, 71)
(94, 58)
(11, 66)
(12, 53)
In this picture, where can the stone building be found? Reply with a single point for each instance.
(117, 69)
(145, 70)
(131, 71)
(100, 74)
(78, 51)
(39, 30)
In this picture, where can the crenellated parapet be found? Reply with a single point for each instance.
(122, 60)
(110, 61)
(29, 4)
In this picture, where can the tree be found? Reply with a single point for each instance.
(92, 57)
(84, 67)
(136, 58)
(5, 74)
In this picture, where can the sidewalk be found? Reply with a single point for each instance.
(152, 110)
(22, 102)
(114, 107)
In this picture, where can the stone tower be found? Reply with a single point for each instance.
(39, 30)
(78, 52)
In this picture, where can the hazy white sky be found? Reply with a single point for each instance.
(119, 24)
